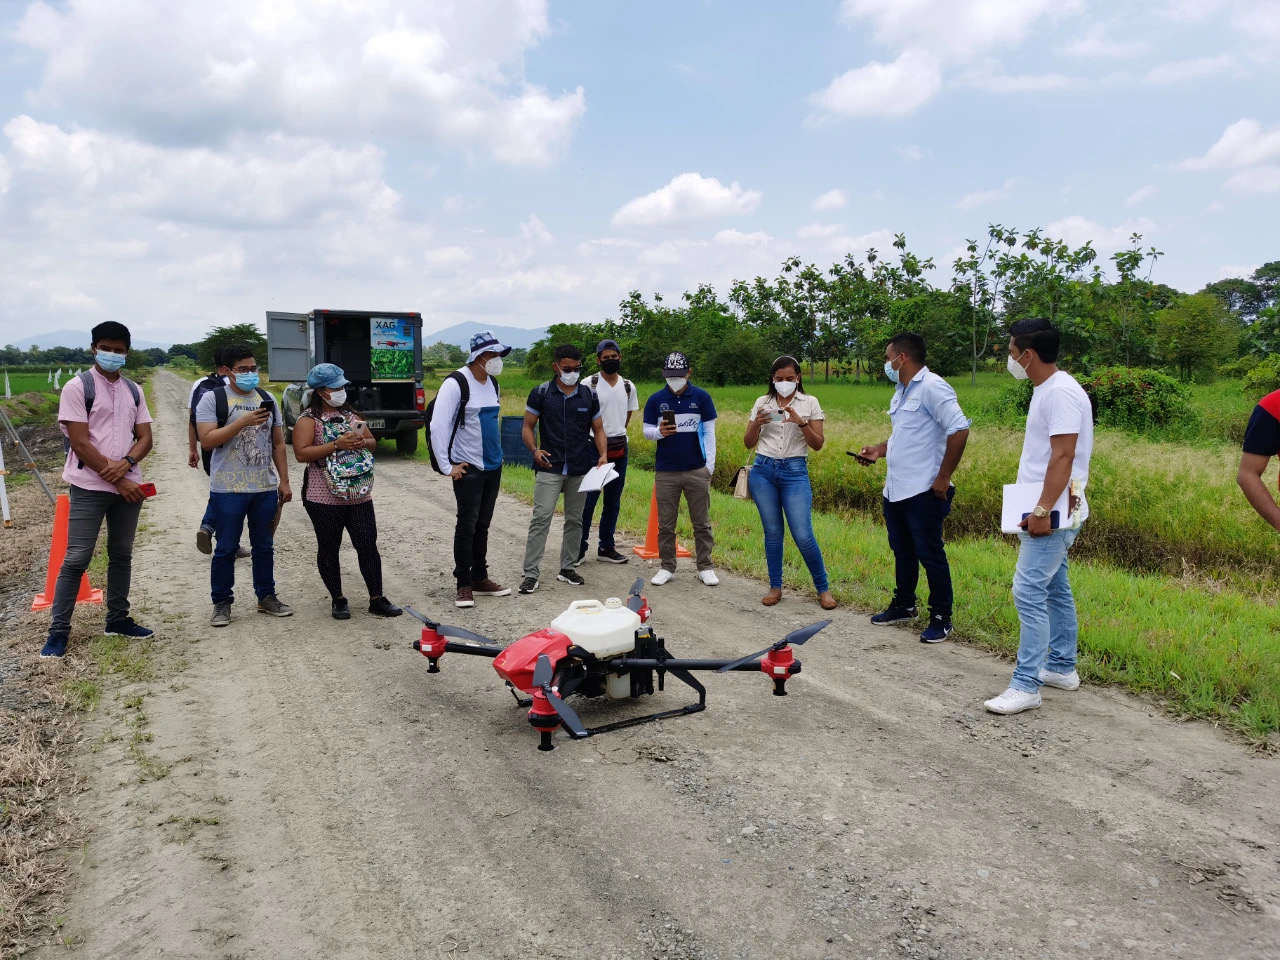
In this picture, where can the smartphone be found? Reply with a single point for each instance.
(264, 405)
(865, 461)
(148, 489)
(669, 416)
(775, 416)
(1054, 517)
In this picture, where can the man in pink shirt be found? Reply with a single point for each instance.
(105, 419)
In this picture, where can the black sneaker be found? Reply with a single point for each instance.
(127, 628)
(528, 584)
(204, 539)
(611, 556)
(582, 558)
(55, 646)
(382, 607)
(936, 631)
(569, 575)
(272, 606)
(894, 615)
(221, 615)
(341, 609)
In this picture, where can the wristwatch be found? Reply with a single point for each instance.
(132, 462)
(1039, 511)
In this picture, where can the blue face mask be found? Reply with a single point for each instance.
(110, 362)
(889, 372)
(247, 381)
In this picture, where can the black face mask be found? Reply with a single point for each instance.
(610, 366)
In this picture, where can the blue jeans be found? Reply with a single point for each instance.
(608, 513)
(231, 510)
(781, 487)
(1046, 608)
(915, 537)
(210, 515)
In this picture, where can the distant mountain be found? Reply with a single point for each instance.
(76, 338)
(460, 333)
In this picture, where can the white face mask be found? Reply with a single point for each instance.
(785, 388)
(676, 384)
(493, 366)
(569, 379)
(336, 398)
(1018, 370)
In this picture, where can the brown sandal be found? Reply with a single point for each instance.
(771, 598)
(826, 601)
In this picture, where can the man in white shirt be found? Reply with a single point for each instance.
(1056, 450)
(923, 450)
(466, 441)
(618, 400)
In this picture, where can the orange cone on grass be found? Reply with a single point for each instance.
(57, 553)
(650, 549)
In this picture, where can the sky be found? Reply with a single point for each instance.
(180, 165)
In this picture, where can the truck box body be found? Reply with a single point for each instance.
(379, 350)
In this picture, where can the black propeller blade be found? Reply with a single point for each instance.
(795, 638)
(542, 679)
(634, 601)
(445, 630)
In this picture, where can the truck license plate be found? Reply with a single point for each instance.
(377, 424)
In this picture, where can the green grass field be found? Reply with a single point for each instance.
(1173, 574)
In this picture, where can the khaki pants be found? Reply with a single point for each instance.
(696, 487)
(547, 488)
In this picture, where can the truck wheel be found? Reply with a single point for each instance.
(407, 442)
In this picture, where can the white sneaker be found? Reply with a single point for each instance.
(709, 578)
(1063, 681)
(663, 576)
(1013, 701)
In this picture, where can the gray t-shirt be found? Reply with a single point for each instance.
(243, 464)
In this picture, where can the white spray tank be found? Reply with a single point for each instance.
(604, 629)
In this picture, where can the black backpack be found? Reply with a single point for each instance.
(91, 392)
(464, 391)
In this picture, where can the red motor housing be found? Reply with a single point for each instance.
(517, 662)
(432, 644)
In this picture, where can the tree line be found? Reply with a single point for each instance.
(837, 319)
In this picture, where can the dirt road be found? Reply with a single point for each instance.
(325, 797)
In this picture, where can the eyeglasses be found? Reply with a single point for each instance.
(564, 369)
(244, 369)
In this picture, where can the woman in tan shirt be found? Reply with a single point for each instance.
(785, 424)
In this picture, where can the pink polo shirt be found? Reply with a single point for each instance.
(111, 423)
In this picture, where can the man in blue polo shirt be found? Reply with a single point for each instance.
(566, 412)
(682, 420)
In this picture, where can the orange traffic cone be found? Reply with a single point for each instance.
(57, 552)
(650, 549)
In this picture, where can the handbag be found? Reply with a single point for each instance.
(741, 483)
(616, 447)
(348, 473)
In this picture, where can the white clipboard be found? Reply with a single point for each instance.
(1021, 498)
(595, 479)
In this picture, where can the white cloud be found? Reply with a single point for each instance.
(818, 231)
(1243, 144)
(953, 30)
(883, 89)
(689, 196)
(452, 72)
(911, 153)
(449, 256)
(1095, 43)
(1256, 180)
(454, 203)
(273, 180)
(831, 200)
(1182, 71)
(1140, 195)
(989, 76)
(5, 176)
(980, 198)
(535, 231)
(1077, 230)
(736, 238)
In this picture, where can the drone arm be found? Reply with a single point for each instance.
(674, 663)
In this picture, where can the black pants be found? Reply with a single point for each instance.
(358, 520)
(915, 537)
(476, 493)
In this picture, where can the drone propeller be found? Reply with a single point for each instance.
(445, 630)
(795, 638)
(542, 673)
(634, 600)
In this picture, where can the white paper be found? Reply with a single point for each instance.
(1021, 498)
(596, 478)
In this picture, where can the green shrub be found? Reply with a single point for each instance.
(1138, 399)
(1010, 405)
(1239, 368)
(1264, 377)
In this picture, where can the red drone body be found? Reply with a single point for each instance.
(550, 664)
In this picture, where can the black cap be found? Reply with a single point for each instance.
(604, 345)
(676, 362)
